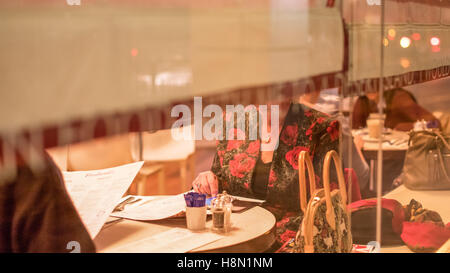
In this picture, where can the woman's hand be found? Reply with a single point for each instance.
(207, 183)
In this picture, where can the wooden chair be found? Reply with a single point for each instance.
(163, 146)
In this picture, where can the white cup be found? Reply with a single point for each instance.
(377, 116)
(196, 218)
(375, 127)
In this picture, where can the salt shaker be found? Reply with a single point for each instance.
(221, 212)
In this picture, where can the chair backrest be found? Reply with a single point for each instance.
(99, 154)
(59, 156)
(163, 145)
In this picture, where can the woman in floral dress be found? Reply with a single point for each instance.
(242, 169)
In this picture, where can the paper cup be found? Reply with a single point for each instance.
(196, 218)
(375, 127)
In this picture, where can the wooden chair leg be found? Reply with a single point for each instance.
(161, 185)
(140, 185)
(132, 189)
(372, 173)
(183, 165)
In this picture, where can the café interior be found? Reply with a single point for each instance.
(273, 126)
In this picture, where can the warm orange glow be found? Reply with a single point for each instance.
(405, 63)
(385, 42)
(391, 34)
(436, 48)
(134, 52)
(416, 36)
(405, 42)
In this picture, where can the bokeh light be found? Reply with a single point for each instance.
(436, 48)
(405, 63)
(134, 52)
(435, 41)
(405, 42)
(416, 36)
(391, 34)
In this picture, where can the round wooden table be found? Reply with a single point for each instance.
(253, 231)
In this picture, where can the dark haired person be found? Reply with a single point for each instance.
(402, 110)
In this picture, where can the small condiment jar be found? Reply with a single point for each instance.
(221, 208)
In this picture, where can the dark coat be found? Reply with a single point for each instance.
(37, 215)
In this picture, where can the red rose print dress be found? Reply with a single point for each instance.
(304, 129)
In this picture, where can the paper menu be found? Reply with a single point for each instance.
(175, 240)
(152, 208)
(96, 193)
(156, 208)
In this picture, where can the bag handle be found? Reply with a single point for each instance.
(434, 133)
(443, 140)
(442, 165)
(441, 159)
(326, 184)
(303, 159)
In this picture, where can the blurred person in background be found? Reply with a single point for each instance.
(401, 109)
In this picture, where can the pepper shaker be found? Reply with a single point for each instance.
(221, 208)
